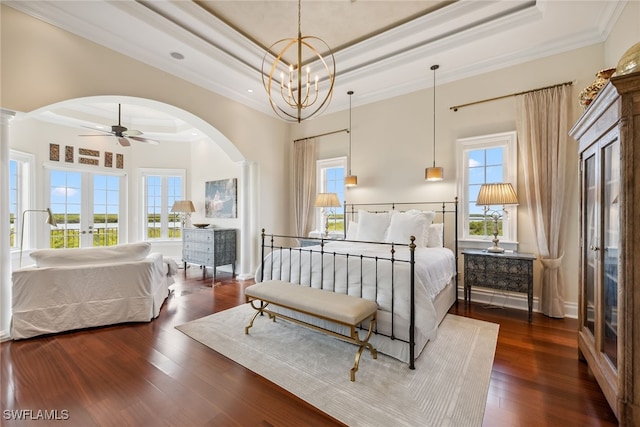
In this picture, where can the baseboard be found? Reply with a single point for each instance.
(4, 336)
(515, 300)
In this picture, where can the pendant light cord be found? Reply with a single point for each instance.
(434, 68)
(350, 93)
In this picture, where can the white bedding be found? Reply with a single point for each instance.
(434, 268)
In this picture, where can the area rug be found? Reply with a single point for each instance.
(448, 387)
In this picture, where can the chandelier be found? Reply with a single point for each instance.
(297, 96)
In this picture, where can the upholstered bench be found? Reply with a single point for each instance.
(342, 309)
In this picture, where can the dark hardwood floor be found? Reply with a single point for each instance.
(150, 374)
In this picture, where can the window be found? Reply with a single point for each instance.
(330, 173)
(486, 159)
(89, 208)
(20, 181)
(161, 188)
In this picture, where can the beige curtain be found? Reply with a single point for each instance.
(543, 121)
(304, 182)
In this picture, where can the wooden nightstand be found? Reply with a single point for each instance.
(511, 271)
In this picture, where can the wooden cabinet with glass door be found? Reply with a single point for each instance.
(609, 304)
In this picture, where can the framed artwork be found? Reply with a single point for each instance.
(221, 198)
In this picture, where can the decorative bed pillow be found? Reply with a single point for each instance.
(84, 256)
(372, 226)
(435, 237)
(352, 231)
(403, 225)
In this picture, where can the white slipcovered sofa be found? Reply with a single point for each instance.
(80, 288)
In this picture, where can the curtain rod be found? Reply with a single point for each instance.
(322, 134)
(455, 107)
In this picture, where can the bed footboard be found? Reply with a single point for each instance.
(384, 277)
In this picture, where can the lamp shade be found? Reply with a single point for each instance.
(497, 194)
(51, 219)
(351, 181)
(327, 200)
(435, 173)
(183, 206)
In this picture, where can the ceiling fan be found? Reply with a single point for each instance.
(123, 134)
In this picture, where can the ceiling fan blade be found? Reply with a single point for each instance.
(132, 132)
(147, 140)
(124, 141)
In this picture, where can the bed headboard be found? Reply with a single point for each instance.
(446, 213)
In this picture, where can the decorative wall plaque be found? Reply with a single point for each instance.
(88, 152)
(88, 161)
(108, 159)
(120, 161)
(68, 153)
(54, 152)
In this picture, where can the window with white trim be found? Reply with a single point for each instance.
(330, 175)
(20, 181)
(161, 188)
(484, 160)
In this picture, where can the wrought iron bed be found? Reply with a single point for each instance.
(383, 272)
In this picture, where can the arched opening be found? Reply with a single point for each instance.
(70, 112)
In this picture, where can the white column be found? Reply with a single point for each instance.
(248, 217)
(5, 249)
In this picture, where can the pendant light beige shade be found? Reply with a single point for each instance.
(435, 173)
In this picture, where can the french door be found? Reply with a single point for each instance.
(88, 207)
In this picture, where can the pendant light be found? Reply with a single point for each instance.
(350, 180)
(434, 173)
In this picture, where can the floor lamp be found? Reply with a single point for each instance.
(50, 220)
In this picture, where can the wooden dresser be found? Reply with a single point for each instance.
(609, 301)
(209, 247)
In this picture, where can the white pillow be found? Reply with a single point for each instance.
(352, 231)
(403, 225)
(435, 235)
(84, 256)
(372, 227)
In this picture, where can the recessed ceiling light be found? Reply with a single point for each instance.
(177, 55)
(250, 90)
